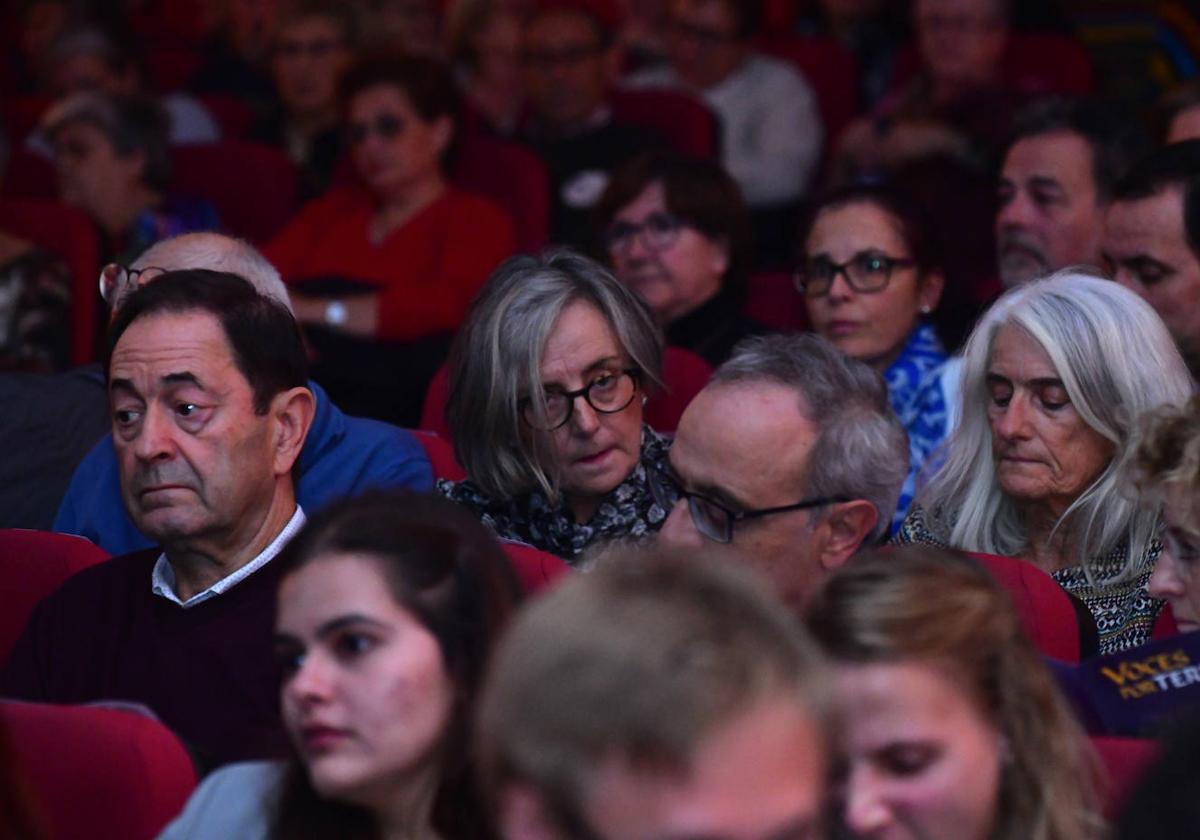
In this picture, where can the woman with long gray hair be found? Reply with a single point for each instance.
(548, 378)
(1054, 378)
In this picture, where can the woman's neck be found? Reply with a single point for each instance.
(1048, 548)
(398, 208)
(405, 812)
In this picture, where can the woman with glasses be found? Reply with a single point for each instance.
(870, 276)
(397, 256)
(676, 232)
(548, 379)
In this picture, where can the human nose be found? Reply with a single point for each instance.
(311, 683)
(1012, 422)
(155, 439)
(679, 529)
(866, 808)
(1165, 581)
(839, 285)
(1015, 212)
(584, 419)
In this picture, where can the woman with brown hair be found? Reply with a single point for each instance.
(954, 729)
(389, 608)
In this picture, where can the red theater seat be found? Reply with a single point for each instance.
(1124, 762)
(536, 569)
(32, 565)
(684, 372)
(772, 300)
(68, 232)
(685, 122)
(831, 69)
(440, 454)
(513, 177)
(251, 185)
(99, 774)
(1046, 611)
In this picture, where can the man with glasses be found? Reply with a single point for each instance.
(790, 459)
(771, 129)
(568, 63)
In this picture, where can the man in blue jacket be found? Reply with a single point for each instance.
(342, 455)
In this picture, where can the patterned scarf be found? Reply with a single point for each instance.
(629, 510)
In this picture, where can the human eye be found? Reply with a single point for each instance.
(1001, 393)
(819, 268)
(289, 658)
(1005, 192)
(190, 414)
(1046, 198)
(1054, 397)
(1151, 272)
(606, 381)
(619, 233)
(871, 263)
(907, 759)
(351, 645)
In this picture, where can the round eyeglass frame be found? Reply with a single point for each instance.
(526, 404)
(890, 264)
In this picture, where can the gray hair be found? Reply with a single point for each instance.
(1116, 361)
(217, 252)
(640, 660)
(497, 357)
(861, 450)
(132, 124)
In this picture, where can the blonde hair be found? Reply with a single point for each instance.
(1116, 361)
(879, 609)
(1167, 457)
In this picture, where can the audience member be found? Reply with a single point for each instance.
(312, 46)
(662, 696)
(790, 458)
(1056, 182)
(387, 611)
(38, 23)
(1152, 240)
(954, 728)
(91, 60)
(484, 42)
(677, 233)
(411, 27)
(770, 129)
(880, 245)
(643, 33)
(341, 456)
(235, 58)
(112, 161)
(206, 383)
(569, 61)
(1181, 113)
(874, 31)
(398, 257)
(957, 107)
(1167, 467)
(20, 817)
(548, 380)
(1053, 380)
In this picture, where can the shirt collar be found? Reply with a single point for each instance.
(162, 578)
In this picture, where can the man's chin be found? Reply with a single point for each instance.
(1019, 267)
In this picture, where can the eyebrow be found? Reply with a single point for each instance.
(334, 625)
(594, 366)
(707, 491)
(1036, 382)
(1046, 182)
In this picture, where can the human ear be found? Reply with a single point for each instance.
(930, 292)
(292, 413)
(443, 133)
(845, 528)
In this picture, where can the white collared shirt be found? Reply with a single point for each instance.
(162, 578)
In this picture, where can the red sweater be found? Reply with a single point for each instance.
(428, 269)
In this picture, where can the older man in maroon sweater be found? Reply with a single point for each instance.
(210, 408)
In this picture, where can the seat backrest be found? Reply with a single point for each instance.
(1164, 626)
(251, 185)
(512, 176)
(772, 300)
(440, 453)
(1124, 761)
(32, 565)
(684, 373)
(99, 774)
(536, 569)
(1046, 611)
(830, 68)
(68, 232)
(686, 123)
(233, 115)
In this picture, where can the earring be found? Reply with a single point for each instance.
(926, 309)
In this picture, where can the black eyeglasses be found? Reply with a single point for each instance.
(384, 126)
(865, 272)
(607, 394)
(658, 232)
(118, 282)
(712, 519)
(567, 55)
